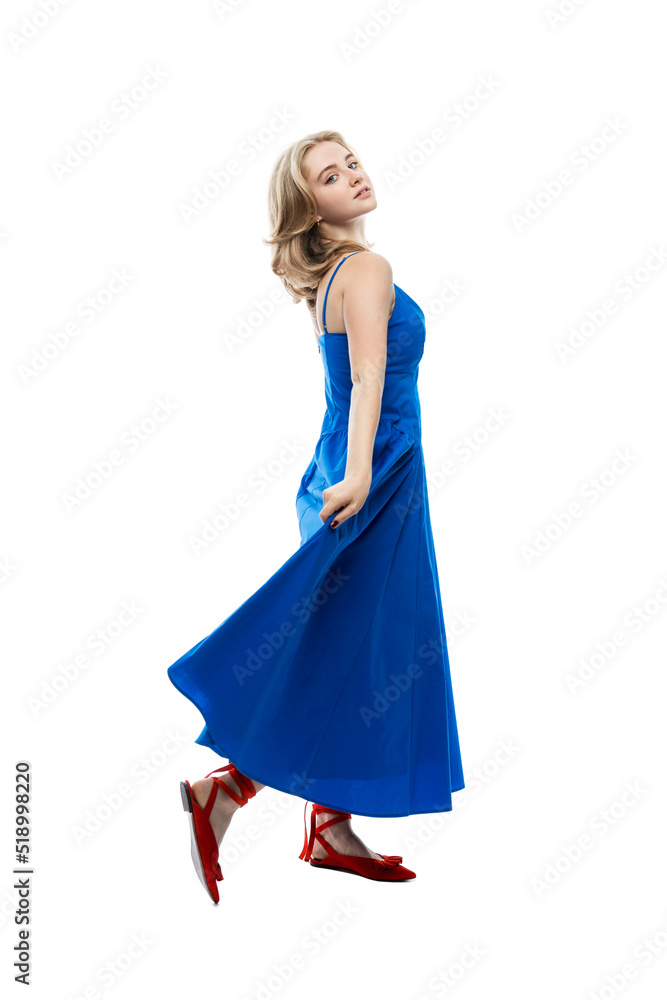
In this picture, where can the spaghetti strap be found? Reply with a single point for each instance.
(326, 294)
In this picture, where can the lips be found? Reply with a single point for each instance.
(361, 191)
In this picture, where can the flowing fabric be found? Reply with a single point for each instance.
(332, 681)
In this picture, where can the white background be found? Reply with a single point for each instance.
(494, 881)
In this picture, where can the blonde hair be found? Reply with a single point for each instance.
(300, 256)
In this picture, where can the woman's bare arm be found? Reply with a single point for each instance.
(368, 291)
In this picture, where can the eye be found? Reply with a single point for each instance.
(350, 164)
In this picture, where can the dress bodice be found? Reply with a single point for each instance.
(406, 332)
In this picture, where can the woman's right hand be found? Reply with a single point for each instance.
(347, 497)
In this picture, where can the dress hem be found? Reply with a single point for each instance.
(237, 761)
(328, 805)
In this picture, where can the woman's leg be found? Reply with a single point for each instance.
(341, 837)
(224, 805)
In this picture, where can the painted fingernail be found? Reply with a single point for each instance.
(334, 523)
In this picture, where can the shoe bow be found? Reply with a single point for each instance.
(388, 861)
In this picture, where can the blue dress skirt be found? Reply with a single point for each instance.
(332, 681)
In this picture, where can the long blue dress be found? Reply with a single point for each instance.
(332, 681)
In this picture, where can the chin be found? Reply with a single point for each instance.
(367, 205)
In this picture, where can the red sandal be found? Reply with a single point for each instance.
(203, 845)
(386, 868)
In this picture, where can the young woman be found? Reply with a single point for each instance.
(332, 681)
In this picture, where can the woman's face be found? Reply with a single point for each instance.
(337, 180)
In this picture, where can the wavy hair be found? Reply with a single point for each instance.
(300, 256)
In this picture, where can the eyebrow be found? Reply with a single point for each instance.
(350, 156)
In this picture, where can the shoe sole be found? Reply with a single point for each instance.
(353, 871)
(194, 843)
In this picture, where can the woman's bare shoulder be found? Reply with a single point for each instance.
(370, 264)
(369, 272)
